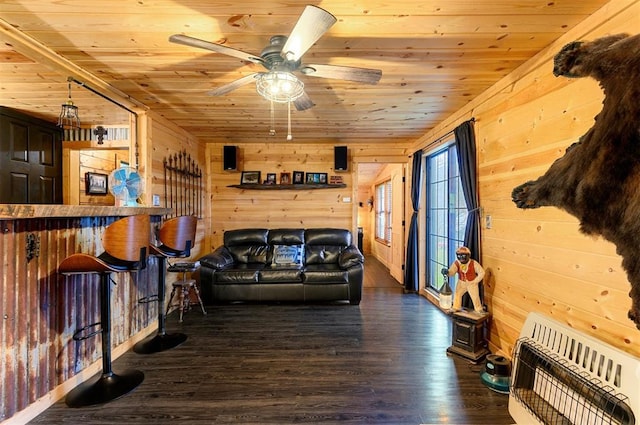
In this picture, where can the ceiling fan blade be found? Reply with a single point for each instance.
(338, 72)
(218, 48)
(304, 102)
(233, 85)
(313, 22)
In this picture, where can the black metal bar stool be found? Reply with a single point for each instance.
(125, 242)
(176, 237)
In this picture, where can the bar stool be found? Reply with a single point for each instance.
(182, 288)
(176, 237)
(125, 242)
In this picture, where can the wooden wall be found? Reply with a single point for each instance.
(234, 208)
(163, 139)
(98, 161)
(537, 260)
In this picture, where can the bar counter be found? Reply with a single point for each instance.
(41, 309)
(21, 211)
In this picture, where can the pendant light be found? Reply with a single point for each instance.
(68, 118)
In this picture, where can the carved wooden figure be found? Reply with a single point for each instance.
(598, 178)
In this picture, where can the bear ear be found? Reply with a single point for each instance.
(566, 59)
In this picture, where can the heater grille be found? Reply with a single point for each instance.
(561, 376)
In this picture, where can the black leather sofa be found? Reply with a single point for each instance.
(283, 265)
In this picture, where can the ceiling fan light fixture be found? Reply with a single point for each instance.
(279, 86)
(68, 118)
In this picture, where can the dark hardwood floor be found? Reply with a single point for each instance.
(382, 362)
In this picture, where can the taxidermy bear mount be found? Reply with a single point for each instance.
(598, 178)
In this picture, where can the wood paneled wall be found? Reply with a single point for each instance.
(98, 161)
(234, 208)
(164, 139)
(537, 260)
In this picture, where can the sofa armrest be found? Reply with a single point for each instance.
(218, 259)
(350, 257)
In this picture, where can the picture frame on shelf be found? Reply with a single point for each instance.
(298, 177)
(250, 177)
(322, 178)
(271, 178)
(285, 178)
(96, 183)
(309, 178)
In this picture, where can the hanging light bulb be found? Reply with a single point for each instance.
(280, 87)
(68, 118)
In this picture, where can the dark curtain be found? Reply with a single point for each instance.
(466, 146)
(411, 276)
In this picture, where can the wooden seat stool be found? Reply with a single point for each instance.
(125, 242)
(176, 236)
(182, 288)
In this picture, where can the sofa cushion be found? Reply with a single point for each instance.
(350, 257)
(286, 246)
(327, 236)
(247, 245)
(249, 254)
(280, 274)
(324, 274)
(324, 245)
(240, 273)
(286, 255)
(286, 237)
(218, 259)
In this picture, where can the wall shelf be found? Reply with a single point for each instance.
(257, 186)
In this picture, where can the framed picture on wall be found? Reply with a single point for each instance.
(250, 177)
(96, 183)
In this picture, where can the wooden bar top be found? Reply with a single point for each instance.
(21, 211)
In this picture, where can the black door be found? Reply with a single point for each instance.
(30, 160)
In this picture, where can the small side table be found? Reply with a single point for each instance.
(469, 338)
(182, 288)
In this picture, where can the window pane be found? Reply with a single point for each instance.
(446, 213)
(383, 211)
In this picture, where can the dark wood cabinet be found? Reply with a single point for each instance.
(30, 159)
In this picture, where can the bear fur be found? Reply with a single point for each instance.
(598, 178)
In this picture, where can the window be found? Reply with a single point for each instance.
(446, 213)
(383, 212)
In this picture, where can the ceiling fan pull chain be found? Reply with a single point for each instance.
(289, 136)
(272, 130)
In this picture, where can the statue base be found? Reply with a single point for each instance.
(469, 338)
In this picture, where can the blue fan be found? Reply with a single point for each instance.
(126, 185)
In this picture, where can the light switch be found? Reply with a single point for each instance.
(346, 199)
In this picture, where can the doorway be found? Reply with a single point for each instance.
(389, 253)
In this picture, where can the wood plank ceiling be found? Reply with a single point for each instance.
(435, 56)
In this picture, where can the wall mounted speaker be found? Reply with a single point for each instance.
(340, 158)
(230, 158)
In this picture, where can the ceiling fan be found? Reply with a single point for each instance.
(282, 57)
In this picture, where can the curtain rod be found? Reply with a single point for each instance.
(447, 134)
(94, 91)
